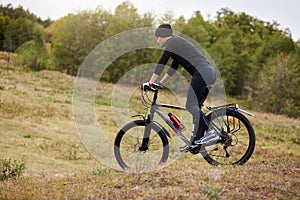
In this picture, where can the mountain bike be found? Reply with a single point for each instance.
(145, 142)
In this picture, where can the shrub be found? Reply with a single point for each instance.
(11, 169)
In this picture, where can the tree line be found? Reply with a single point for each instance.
(258, 61)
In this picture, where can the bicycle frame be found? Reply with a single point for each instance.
(155, 108)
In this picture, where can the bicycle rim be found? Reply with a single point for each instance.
(128, 142)
(243, 139)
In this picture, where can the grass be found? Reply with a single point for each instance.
(37, 127)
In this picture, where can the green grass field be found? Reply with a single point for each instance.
(37, 128)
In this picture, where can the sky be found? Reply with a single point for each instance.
(284, 12)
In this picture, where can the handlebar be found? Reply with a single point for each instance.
(151, 87)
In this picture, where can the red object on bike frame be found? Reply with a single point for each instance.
(176, 121)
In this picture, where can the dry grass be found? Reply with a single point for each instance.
(37, 127)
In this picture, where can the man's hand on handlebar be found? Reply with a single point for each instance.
(152, 87)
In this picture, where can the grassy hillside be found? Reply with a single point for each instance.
(37, 128)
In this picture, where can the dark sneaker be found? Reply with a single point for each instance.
(210, 138)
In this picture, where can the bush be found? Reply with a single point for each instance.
(11, 169)
(279, 85)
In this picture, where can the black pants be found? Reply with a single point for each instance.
(196, 96)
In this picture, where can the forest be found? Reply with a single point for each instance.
(259, 63)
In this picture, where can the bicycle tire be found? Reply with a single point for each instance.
(128, 141)
(243, 139)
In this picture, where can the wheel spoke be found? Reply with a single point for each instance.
(129, 141)
(239, 139)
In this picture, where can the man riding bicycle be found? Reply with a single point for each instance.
(203, 75)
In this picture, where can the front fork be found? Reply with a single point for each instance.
(145, 143)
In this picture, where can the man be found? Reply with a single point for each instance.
(203, 75)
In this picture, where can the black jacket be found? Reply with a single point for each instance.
(183, 53)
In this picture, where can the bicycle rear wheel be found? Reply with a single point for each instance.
(238, 141)
(131, 156)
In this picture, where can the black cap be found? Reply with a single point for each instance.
(164, 30)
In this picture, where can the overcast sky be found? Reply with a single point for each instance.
(285, 12)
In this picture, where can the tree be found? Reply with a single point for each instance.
(17, 31)
(253, 42)
(126, 18)
(2, 30)
(196, 28)
(167, 17)
(17, 27)
(33, 54)
(224, 56)
(76, 36)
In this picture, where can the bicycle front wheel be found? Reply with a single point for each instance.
(238, 141)
(133, 154)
